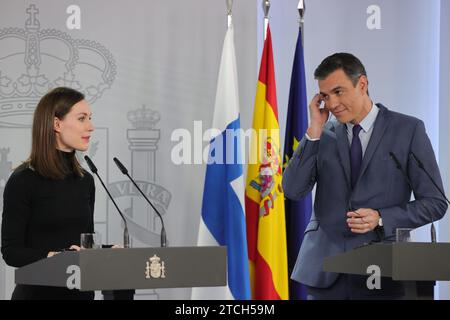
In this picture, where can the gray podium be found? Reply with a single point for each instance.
(416, 263)
(129, 269)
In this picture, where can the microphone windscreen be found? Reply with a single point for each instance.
(90, 164)
(120, 166)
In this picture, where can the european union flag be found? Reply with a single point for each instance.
(298, 213)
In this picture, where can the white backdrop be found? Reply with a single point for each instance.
(150, 67)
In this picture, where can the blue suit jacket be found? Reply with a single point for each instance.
(380, 186)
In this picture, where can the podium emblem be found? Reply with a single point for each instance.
(155, 268)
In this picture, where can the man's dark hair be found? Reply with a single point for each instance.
(350, 64)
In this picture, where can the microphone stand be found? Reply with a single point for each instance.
(125, 172)
(421, 166)
(126, 236)
(399, 167)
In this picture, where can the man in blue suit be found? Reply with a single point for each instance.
(361, 195)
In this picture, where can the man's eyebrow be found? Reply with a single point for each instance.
(332, 90)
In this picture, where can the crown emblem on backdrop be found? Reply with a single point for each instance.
(35, 60)
(143, 118)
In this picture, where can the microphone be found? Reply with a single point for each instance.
(405, 175)
(421, 166)
(125, 172)
(126, 236)
(399, 167)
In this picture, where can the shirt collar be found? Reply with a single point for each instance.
(368, 121)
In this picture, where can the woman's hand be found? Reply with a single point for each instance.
(72, 248)
(52, 253)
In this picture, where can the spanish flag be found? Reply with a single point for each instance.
(264, 197)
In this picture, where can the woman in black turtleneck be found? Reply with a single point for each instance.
(49, 200)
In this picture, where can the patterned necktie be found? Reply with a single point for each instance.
(355, 154)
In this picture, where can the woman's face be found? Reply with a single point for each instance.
(74, 130)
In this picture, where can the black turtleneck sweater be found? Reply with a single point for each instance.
(42, 215)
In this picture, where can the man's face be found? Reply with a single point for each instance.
(345, 101)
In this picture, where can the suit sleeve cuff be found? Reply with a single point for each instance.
(311, 139)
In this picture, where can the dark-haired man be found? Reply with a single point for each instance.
(361, 196)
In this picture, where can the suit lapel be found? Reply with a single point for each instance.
(343, 149)
(379, 128)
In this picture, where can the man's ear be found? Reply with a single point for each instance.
(57, 124)
(363, 84)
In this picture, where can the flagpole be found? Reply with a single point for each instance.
(266, 7)
(229, 12)
(222, 204)
(301, 11)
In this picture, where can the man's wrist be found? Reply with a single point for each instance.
(314, 133)
(309, 138)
